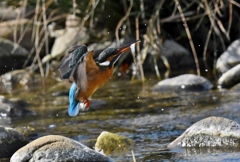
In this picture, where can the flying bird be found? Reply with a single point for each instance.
(88, 74)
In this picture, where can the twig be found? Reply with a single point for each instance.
(37, 10)
(235, 3)
(142, 9)
(38, 53)
(213, 23)
(230, 18)
(206, 45)
(189, 36)
(46, 34)
(16, 25)
(153, 38)
(217, 10)
(133, 156)
(139, 60)
(121, 21)
(74, 4)
(177, 17)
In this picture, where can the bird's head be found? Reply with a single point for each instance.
(109, 56)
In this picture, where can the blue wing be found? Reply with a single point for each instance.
(74, 105)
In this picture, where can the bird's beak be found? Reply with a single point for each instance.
(126, 47)
(74, 105)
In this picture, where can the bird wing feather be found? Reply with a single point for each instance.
(68, 64)
(79, 74)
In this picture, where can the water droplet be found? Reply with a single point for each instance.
(52, 126)
(214, 98)
(182, 86)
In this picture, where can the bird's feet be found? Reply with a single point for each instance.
(84, 106)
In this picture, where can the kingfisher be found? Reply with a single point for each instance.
(88, 74)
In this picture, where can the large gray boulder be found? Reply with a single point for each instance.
(230, 78)
(12, 55)
(57, 148)
(229, 58)
(210, 132)
(185, 82)
(10, 141)
(176, 55)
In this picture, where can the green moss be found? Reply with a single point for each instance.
(111, 143)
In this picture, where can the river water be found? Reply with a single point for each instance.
(151, 119)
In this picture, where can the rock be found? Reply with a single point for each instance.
(10, 141)
(185, 82)
(8, 13)
(112, 144)
(19, 78)
(27, 131)
(210, 132)
(229, 58)
(12, 56)
(12, 107)
(230, 78)
(57, 148)
(176, 55)
(67, 37)
(8, 27)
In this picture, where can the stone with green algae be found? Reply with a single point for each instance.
(112, 144)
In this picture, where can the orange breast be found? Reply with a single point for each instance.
(95, 77)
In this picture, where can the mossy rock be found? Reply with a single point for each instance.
(113, 144)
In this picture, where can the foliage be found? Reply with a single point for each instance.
(205, 27)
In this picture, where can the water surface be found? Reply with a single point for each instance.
(151, 119)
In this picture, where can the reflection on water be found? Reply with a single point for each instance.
(151, 119)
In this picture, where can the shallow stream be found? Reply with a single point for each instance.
(151, 119)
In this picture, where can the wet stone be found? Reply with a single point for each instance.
(113, 144)
(57, 148)
(12, 55)
(229, 58)
(13, 107)
(18, 79)
(185, 82)
(230, 78)
(10, 141)
(210, 132)
(67, 37)
(176, 55)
